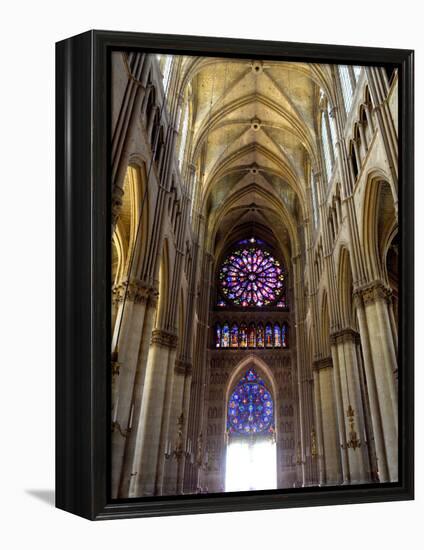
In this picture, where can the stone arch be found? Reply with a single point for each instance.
(181, 320)
(263, 370)
(346, 289)
(325, 325)
(163, 286)
(118, 256)
(140, 213)
(379, 223)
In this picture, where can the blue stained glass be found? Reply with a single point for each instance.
(277, 336)
(250, 407)
(225, 336)
(251, 276)
(284, 336)
(217, 335)
(260, 336)
(268, 336)
(234, 336)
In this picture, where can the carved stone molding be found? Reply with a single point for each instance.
(344, 335)
(183, 367)
(136, 291)
(164, 338)
(323, 363)
(116, 366)
(118, 293)
(373, 292)
(117, 195)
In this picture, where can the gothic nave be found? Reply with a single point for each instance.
(254, 274)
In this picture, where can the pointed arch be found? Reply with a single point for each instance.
(163, 286)
(379, 222)
(346, 289)
(325, 325)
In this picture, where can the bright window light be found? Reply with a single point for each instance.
(251, 466)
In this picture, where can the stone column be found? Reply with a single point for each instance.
(134, 400)
(152, 411)
(340, 414)
(376, 298)
(331, 444)
(353, 407)
(319, 423)
(169, 468)
(169, 419)
(372, 390)
(126, 352)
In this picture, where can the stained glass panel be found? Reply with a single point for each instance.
(250, 407)
(243, 336)
(277, 336)
(217, 335)
(225, 336)
(260, 336)
(252, 336)
(251, 277)
(284, 336)
(234, 336)
(268, 336)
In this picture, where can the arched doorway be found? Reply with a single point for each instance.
(251, 455)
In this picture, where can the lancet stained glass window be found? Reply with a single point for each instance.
(252, 336)
(225, 342)
(243, 336)
(284, 336)
(268, 336)
(234, 336)
(251, 277)
(217, 335)
(250, 407)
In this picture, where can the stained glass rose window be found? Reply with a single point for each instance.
(251, 276)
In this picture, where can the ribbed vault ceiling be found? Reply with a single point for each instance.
(254, 132)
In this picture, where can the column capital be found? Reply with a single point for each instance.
(344, 335)
(136, 290)
(183, 367)
(322, 363)
(164, 338)
(373, 292)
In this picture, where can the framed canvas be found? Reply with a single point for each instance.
(234, 274)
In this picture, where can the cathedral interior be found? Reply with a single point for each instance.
(254, 274)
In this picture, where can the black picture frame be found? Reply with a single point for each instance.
(82, 289)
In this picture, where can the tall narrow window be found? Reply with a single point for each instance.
(252, 336)
(326, 145)
(260, 336)
(234, 336)
(183, 138)
(277, 336)
(167, 71)
(268, 336)
(347, 87)
(217, 335)
(243, 336)
(357, 72)
(225, 336)
(285, 336)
